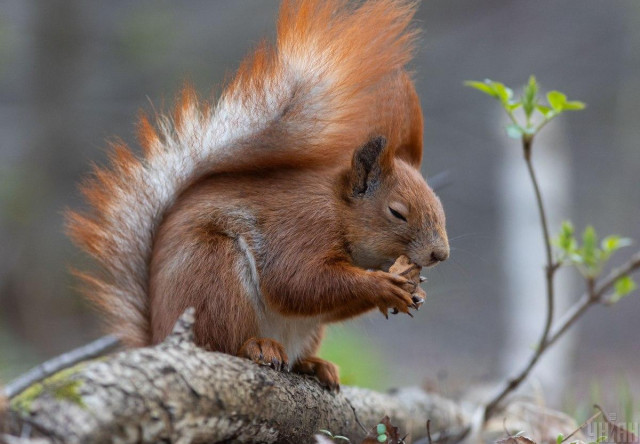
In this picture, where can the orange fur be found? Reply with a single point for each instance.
(276, 210)
(325, 371)
(147, 135)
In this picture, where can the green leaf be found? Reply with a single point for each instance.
(567, 229)
(381, 428)
(504, 93)
(326, 432)
(544, 110)
(485, 87)
(559, 103)
(565, 240)
(624, 286)
(560, 438)
(574, 105)
(528, 107)
(530, 96)
(531, 89)
(614, 242)
(590, 247)
(382, 438)
(514, 131)
(343, 438)
(557, 100)
(512, 106)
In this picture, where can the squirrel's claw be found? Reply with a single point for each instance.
(265, 351)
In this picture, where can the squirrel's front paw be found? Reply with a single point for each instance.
(405, 268)
(265, 351)
(395, 293)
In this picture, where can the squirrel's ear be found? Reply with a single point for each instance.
(367, 166)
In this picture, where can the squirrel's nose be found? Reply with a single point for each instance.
(439, 255)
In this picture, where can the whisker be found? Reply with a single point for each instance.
(474, 235)
(472, 253)
(462, 236)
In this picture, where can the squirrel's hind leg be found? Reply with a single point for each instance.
(326, 372)
(196, 269)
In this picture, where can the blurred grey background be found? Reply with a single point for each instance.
(75, 73)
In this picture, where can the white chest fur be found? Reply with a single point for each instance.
(295, 334)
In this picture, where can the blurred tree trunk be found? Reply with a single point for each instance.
(44, 135)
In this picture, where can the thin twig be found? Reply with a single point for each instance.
(550, 270)
(91, 350)
(629, 267)
(591, 297)
(570, 317)
(355, 415)
(588, 421)
(551, 267)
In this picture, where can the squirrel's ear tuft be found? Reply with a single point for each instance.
(367, 166)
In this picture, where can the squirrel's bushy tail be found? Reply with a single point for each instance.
(309, 99)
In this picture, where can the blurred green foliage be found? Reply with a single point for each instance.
(360, 360)
(619, 396)
(15, 356)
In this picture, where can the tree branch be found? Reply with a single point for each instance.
(177, 392)
(91, 350)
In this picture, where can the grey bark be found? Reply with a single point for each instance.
(177, 392)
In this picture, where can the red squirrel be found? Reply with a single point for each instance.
(280, 208)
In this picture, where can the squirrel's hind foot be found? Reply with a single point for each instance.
(326, 372)
(265, 351)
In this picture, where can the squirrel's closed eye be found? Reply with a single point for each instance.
(397, 214)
